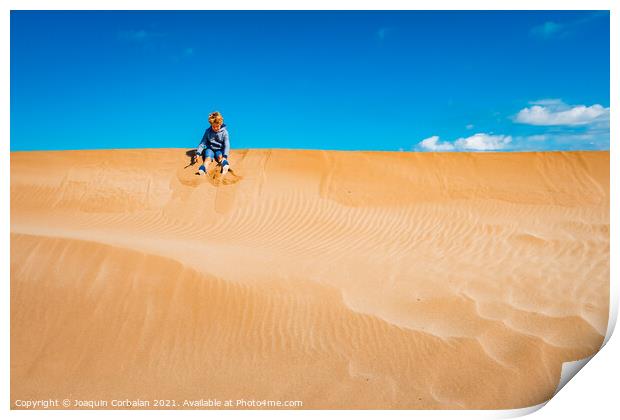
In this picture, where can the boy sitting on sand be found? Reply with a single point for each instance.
(214, 144)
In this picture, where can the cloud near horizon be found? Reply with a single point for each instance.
(550, 112)
(562, 126)
(479, 141)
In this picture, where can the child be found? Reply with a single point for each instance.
(214, 144)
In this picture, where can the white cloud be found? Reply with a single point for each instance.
(479, 141)
(432, 143)
(563, 127)
(556, 112)
(482, 141)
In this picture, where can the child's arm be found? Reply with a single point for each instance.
(226, 145)
(203, 143)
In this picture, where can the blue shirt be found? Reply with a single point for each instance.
(215, 140)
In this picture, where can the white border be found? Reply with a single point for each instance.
(591, 395)
(308, 5)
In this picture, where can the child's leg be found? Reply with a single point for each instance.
(207, 155)
(220, 158)
(223, 162)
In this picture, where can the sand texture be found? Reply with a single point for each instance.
(339, 279)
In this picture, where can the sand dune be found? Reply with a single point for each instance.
(339, 279)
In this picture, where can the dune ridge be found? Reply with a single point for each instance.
(342, 279)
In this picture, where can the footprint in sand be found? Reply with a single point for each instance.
(187, 176)
(224, 197)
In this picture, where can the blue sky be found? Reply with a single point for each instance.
(348, 80)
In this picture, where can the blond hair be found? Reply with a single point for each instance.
(216, 117)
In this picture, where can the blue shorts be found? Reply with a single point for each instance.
(210, 154)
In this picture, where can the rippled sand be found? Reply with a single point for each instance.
(340, 279)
